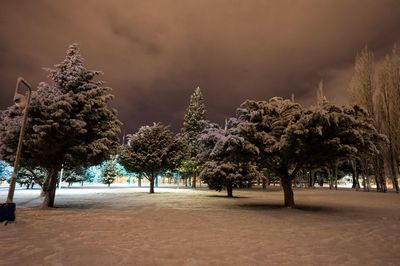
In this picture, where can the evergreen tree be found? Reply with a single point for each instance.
(93, 173)
(5, 171)
(28, 177)
(74, 175)
(194, 120)
(226, 156)
(289, 137)
(193, 124)
(24, 178)
(153, 149)
(70, 123)
(109, 172)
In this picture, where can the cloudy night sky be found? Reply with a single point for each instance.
(154, 53)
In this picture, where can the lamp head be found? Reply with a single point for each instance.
(20, 101)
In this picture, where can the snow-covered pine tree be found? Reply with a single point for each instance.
(347, 134)
(74, 175)
(70, 123)
(109, 172)
(30, 177)
(5, 171)
(227, 157)
(194, 120)
(24, 178)
(193, 124)
(93, 173)
(150, 151)
(263, 123)
(289, 137)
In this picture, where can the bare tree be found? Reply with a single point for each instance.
(388, 107)
(362, 85)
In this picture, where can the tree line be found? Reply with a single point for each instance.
(72, 127)
(377, 89)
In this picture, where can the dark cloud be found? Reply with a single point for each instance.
(154, 53)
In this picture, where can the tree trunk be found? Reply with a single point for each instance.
(288, 191)
(377, 183)
(264, 183)
(393, 176)
(383, 184)
(139, 182)
(330, 177)
(152, 183)
(392, 165)
(311, 179)
(229, 190)
(396, 184)
(356, 184)
(45, 185)
(194, 182)
(364, 182)
(335, 173)
(49, 189)
(381, 172)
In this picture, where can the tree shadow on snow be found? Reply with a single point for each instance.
(79, 206)
(224, 196)
(272, 206)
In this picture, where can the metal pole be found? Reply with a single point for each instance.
(13, 181)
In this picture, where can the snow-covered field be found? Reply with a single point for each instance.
(128, 226)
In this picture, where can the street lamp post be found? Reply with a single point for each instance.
(22, 102)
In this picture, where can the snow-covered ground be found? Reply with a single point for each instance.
(128, 226)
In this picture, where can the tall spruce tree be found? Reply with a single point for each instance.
(193, 124)
(70, 123)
